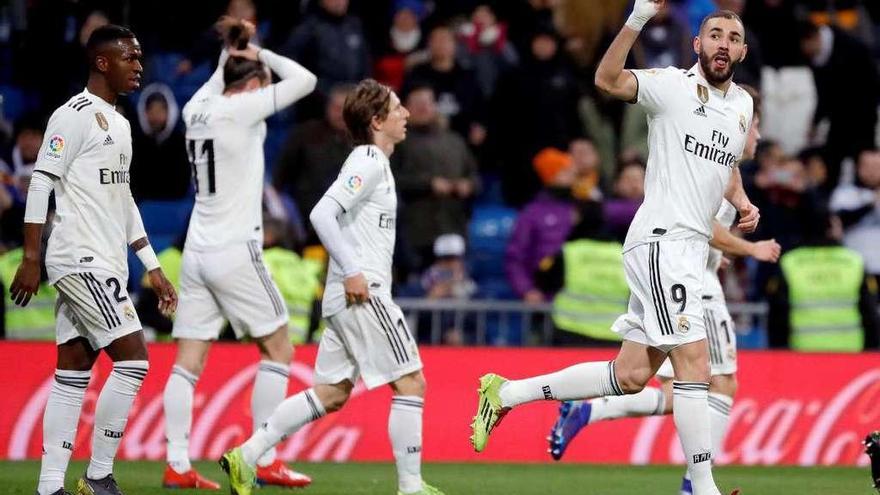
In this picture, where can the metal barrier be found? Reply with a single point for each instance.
(499, 322)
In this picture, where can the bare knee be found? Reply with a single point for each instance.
(333, 397)
(723, 384)
(412, 384)
(276, 346)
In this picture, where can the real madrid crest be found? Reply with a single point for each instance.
(102, 121)
(703, 93)
(128, 310)
(683, 324)
(742, 123)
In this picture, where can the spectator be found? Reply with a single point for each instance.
(436, 175)
(543, 225)
(403, 45)
(159, 169)
(544, 92)
(447, 278)
(858, 206)
(842, 68)
(458, 95)
(666, 40)
(525, 19)
(27, 141)
(311, 155)
(629, 191)
(588, 173)
(485, 41)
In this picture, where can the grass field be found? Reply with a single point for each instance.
(141, 478)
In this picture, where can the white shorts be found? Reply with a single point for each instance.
(721, 338)
(231, 283)
(96, 306)
(666, 286)
(369, 340)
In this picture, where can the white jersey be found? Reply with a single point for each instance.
(696, 135)
(711, 284)
(224, 139)
(366, 192)
(87, 146)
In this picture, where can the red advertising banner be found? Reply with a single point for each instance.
(797, 409)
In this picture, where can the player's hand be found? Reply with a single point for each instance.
(356, 291)
(643, 11)
(749, 217)
(251, 52)
(768, 251)
(164, 292)
(25, 283)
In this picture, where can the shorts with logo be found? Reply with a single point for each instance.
(666, 285)
(721, 339)
(96, 306)
(229, 283)
(370, 340)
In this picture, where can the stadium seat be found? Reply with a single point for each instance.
(488, 231)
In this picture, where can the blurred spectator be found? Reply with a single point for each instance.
(775, 24)
(666, 40)
(486, 44)
(447, 278)
(542, 225)
(858, 207)
(458, 95)
(629, 191)
(28, 137)
(848, 91)
(525, 19)
(402, 47)
(588, 173)
(749, 70)
(436, 176)
(544, 93)
(312, 155)
(159, 167)
(330, 43)
(817, 172)
(208, 45)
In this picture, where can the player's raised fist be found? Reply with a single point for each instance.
(643, 11)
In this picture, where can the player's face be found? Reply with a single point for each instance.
(121, 65)
(720, 46)
(752, 139)
(394, 125)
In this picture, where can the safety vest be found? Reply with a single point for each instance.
(37, 319)
(595, 292)
(298, 280)
(823, 292)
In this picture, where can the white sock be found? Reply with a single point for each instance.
(405, 430)
(581, 381)
(690, 411)
(60, 420)
(270, 388)
(719, 415)
(111, 414)
(178, 400)
(292, 414)
(648, 402)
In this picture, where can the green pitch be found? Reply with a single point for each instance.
(141, 478)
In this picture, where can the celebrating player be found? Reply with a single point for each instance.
(366, 332)
(698, 120)
(223, 274)
(719, 332)
(84, 158)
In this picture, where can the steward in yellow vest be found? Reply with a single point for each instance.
(36, 321)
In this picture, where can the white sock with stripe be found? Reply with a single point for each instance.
(581, 381)
(292, 414)
(111, 414)
(690, 411)
(648, 402)
(60, 420)
(178, 402)
(719, 417)
(270, 389)
(405, 431)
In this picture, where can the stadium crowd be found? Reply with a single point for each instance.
(511, 151)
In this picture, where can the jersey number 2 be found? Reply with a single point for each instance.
(205, 156)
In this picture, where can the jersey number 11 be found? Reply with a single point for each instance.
(202, 156)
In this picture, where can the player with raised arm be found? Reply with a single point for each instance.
(574, 415)
(85, 158)
(698, 120)
(223, 274)
(366, 333)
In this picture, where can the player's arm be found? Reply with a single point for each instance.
(732, 245)
(140, 244)
(611, 78)
(215, 84)
(736, 194)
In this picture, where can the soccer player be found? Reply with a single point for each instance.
(366, 333)
(223, 274)
(698, 120)
(573, 416)
(85, 157)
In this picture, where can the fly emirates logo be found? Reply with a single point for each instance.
(715, 151)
